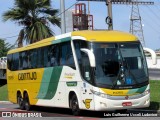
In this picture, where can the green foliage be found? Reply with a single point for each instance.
(35, 16)
(155, 95)
(3, 93)
(4, 48)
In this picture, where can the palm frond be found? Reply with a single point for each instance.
(37, 32)
(55, 20)
(51, 12)
(44, 3)
(35, 16)
(14, 14)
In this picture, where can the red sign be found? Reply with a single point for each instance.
(126, 104)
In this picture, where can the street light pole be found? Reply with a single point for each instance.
(62, 10)
(109, 18)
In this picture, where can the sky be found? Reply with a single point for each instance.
(150, 15)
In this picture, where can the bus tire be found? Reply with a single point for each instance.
(26, 102)
(74, 105)
(20, 101)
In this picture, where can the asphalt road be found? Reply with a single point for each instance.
(154, 74)
(60, 114)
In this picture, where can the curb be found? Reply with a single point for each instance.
(5, 102)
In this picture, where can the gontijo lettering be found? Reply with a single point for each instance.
(27, 76)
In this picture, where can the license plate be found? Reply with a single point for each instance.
(126, 104)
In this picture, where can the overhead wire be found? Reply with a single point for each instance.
(148, 22)
(67, 8)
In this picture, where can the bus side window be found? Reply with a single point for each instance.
(63, 54)
(67, 55)
(20, 61)
(9, 61)
(47, 62)
(15, 61)
(25, 60)
(54, 54)
(40, 57)
(33, 57)
(29, 59)
(83, 60)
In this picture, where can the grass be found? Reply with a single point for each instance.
(3, 93)
(154, 88)
(155, 95)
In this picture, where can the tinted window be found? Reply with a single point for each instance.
(67, 55)
(54, 53)
(9, 61)
(25, 60)
(47, 59)
(20, 61)
(33, 57)
(43, 57)
(40, 57)
(15, 62)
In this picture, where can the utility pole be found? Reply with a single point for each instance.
(62, 10)
(109, 19)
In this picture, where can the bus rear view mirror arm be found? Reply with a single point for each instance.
(90, 55)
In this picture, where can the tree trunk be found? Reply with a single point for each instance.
(20, 38)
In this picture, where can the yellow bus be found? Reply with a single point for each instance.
(81, 70)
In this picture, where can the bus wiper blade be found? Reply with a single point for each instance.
(120, 77)
(130, 73)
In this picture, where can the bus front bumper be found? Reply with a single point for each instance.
(103, 104)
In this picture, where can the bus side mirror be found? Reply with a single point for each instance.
(90, 55)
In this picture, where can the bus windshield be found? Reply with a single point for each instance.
(119, 65)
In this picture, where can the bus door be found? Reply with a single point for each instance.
(86, 87)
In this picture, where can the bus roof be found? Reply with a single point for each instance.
(89, 35)
(105, 36)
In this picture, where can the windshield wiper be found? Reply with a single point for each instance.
(130, 73)
(120, 77)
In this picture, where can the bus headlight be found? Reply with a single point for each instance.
(146, 92)
(99, 94)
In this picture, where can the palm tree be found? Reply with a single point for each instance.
(4, 48)
(35, 16)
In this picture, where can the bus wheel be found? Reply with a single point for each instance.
(26, 102)
(20, 101)
(74, 105)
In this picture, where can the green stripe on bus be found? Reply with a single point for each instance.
(45, 82)
(137, 90)
(48, 90)
(61, 40)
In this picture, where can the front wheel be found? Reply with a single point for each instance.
(74, 105)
